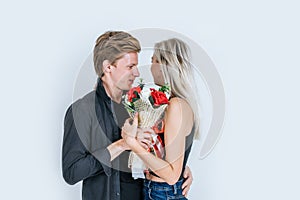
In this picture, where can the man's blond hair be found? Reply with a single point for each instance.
(111, 46)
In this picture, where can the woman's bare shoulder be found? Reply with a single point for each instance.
(179, 106)
(180, 113)
(178, 102)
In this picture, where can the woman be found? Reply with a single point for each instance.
(170, 64)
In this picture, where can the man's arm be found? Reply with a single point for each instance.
(116, 148)
(77, 162)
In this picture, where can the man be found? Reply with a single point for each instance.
(93, 150)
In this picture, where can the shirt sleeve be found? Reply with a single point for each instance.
(78, 163)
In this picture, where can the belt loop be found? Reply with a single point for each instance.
(149, 190)
(175, 188)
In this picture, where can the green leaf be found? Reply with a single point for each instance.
(135, 99)
(136, 94)
(164, 88)
(141, 85)
(151, 100)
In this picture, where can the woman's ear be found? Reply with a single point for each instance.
(106, 66)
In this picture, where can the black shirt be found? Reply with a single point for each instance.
(90, 126)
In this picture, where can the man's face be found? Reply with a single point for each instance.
(125, 71)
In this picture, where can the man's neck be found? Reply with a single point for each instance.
(112, 91)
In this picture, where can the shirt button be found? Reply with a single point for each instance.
(118, 193)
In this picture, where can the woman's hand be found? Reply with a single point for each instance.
(144, 137)
(131, 133)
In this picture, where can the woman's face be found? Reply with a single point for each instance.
(156, 72)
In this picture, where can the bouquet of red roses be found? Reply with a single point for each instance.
(150, 101)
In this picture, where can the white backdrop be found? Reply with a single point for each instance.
(254, 44)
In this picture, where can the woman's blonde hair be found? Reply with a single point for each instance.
(111, 46)
(174, 57)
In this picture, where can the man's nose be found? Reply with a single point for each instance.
(136, 72)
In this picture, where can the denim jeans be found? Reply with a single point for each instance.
(162, 191)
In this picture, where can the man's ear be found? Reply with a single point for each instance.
(106, 66)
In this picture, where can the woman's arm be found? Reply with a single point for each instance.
(179, 122)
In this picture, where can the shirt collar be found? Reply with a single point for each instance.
(100, 90)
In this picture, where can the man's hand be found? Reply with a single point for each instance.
(129, 128)
(187, 174)
(124, 145)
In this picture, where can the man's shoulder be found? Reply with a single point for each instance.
(86, 100)
(83, 103)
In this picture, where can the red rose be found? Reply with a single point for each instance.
(133, 93)
(159, 97)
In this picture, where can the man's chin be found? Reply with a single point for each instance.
(130, 84)
(127, 87)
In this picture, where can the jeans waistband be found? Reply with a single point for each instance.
(162, 185)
